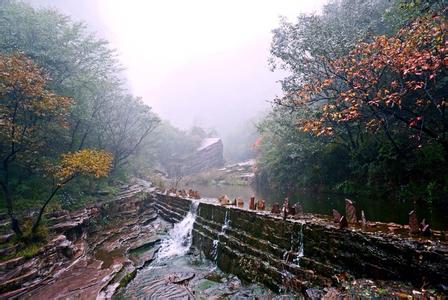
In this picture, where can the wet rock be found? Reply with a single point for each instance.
(422, 224)
(425, 228)
(331, 294)
(11, 263)
(350, 212)
(343, 222)
(252, 203)
(8, 251)
(214, 276)
(180, 277)
(224, 200)
(285, 208)
(5, 227)
(193, 194)
(275, 208)
(426, 231)
(336, 216)
(67, 248)
(314, 293)
(255, 248)
(363, 220)
(414, 226)
(5, 238)
(234, 284)
(261, 205)
(183, 193)
(161, 289)
(58, 213)
(19, 281)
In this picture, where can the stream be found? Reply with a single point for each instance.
(180, 271)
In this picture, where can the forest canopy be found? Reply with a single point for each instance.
(364, 109)
(65, 111)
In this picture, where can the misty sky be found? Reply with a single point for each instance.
(196, 62)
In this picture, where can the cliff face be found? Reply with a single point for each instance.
(208, 155)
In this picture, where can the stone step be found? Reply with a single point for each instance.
(3, 217)
(131, 189)
(56, 220)
(11, 264)
(128, 194)
(5, 226)
(17, 282)
(8, 251)
(4, 238)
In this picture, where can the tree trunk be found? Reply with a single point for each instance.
(42, 209)
(8, 200)
(53, 193)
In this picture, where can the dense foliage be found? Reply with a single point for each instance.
(364, 109)
(64, 109)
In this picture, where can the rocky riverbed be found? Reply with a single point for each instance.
(120, 249)
(123, 248)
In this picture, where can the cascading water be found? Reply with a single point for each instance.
(286, 275)
(178, 273)
(179, 238)
(225, 225)
(300, 248)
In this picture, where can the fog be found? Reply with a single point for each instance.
(197, 62)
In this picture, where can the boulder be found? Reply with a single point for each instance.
(343, 223)
(261, 205)
(414, 226)
(252, 203)
(285, 209)
(350, 212)
(224, 200)
(336, 216)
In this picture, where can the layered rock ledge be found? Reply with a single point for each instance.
(97, 251)
(308, 252)
(91, 252)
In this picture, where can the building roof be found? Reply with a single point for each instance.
(208, 142)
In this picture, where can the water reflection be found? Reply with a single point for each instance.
(381, 209)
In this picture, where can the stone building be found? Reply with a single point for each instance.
(210, 154)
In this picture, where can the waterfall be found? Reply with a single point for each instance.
(179, 237)
(224, 226)
(300, 248)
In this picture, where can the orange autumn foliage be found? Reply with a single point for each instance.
(91, 162)
(389, 78)
(27, 107)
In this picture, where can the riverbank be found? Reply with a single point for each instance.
(113, 249)
(88, 252)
